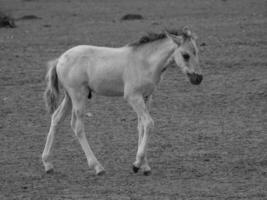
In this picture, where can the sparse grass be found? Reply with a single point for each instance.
(209, 141)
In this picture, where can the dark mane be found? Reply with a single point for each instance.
(151, 37)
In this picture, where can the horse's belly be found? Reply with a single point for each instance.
(110, 90)
(109, 86)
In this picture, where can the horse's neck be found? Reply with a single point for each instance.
(159, 52)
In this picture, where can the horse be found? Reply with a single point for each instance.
(132, 71)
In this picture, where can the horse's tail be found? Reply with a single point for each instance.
(51, 93)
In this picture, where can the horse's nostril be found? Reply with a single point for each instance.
(199, 78)
(195, 78)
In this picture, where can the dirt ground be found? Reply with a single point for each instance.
(209, 141)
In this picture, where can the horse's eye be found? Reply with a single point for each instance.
(186, 56)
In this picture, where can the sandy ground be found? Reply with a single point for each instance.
(210, 140)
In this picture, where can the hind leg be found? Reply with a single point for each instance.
(58, 116)
(79, 99)
(144, 164)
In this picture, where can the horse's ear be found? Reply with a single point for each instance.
(168, 34)
(177, 39)
(187, 32)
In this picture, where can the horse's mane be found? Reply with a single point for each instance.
(151, 36)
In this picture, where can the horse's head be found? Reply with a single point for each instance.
(186, 55)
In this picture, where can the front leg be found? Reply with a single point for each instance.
(145, 166)
(145, 123)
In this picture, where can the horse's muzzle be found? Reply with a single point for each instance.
(195, 78)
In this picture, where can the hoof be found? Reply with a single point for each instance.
(101, 173)
(147, 173)
(135, 169)
(50, 171)
(99, 170)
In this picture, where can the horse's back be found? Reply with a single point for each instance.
(93, 54)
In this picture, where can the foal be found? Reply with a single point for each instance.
(132, 71)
